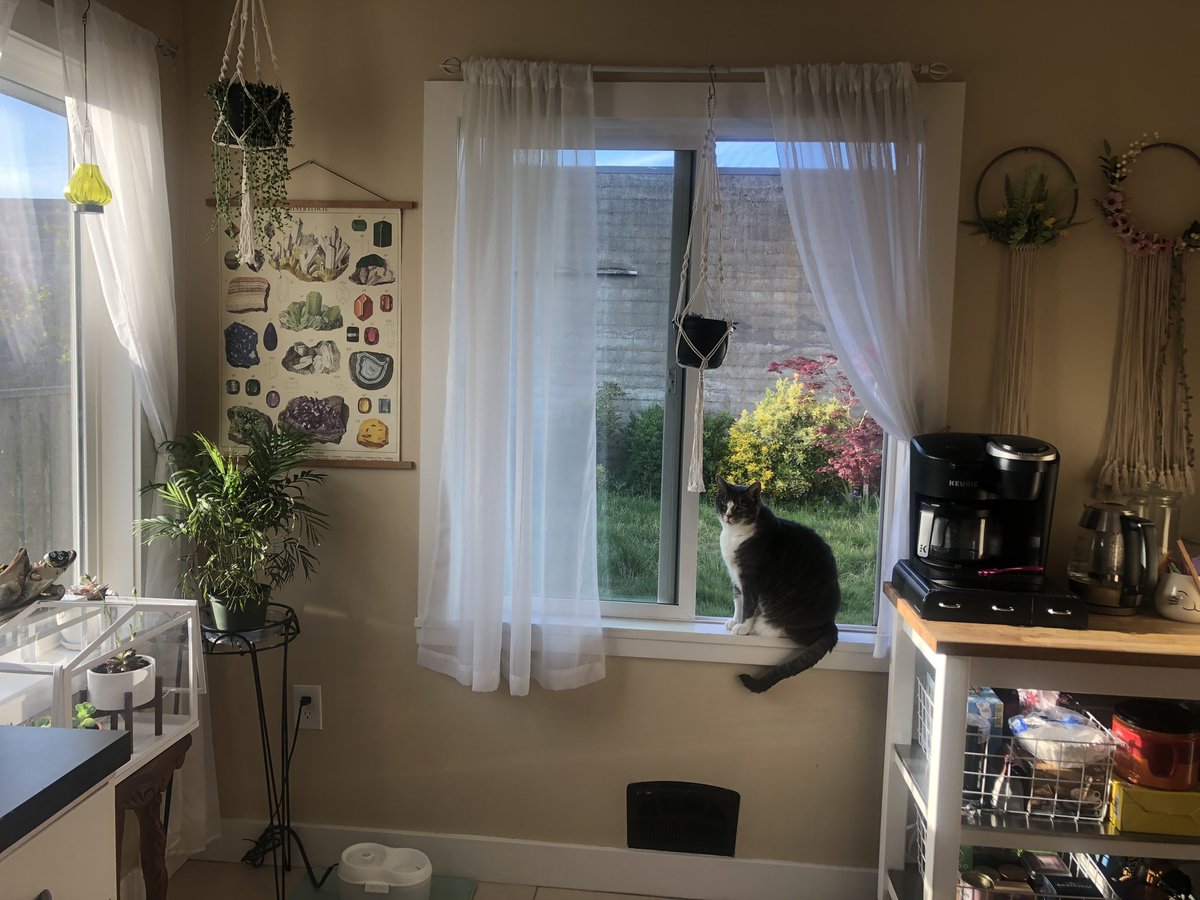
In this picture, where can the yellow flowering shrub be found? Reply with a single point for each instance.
(779, 442)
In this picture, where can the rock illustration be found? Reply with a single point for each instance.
(323, 358)
(241, 346)
(247, 293)
(372, 269)
(311, 313)
(311, 257)
(371, 371)
(324, 419)
(244, 421)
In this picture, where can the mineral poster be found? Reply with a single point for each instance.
(286, 324)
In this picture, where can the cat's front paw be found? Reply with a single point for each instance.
(731, 624)
(743, 628)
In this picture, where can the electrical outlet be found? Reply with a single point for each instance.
(309, 715)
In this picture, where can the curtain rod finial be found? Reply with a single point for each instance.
(933, 71)
(451, 65)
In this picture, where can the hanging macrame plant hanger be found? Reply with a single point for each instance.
(253, 123)
(702, 323)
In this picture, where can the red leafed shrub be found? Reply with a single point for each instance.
(853, 439)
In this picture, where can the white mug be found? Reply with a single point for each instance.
(1178, 598)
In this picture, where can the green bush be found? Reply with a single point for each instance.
(640, 471)
(611, 401)
(780, 443)
(716, 445)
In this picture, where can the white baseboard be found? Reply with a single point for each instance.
(576, 866)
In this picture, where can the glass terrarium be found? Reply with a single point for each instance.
(121, 663)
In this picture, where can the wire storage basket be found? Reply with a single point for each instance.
(1040, 776)
(991, 874)
(1031, 773)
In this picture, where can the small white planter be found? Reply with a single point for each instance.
(107, 690)
(45, 645)
(79, 630)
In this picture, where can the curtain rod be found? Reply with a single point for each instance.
(166, 48)
(452, 65)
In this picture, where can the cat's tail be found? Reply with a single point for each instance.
(807, 658)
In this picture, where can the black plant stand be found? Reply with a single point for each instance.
(281, 628)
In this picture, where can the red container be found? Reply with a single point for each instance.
(1159, 744)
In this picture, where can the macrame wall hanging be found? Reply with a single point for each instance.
(702, 323)
(1029, 218)
(1149, 435)
(251, 135)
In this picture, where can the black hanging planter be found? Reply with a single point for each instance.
(260, 114)
(707, 335)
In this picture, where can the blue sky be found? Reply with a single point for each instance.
(33, 150)
(730, 155)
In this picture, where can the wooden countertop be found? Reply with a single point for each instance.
(1140, 640)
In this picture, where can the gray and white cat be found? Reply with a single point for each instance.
(785, 580)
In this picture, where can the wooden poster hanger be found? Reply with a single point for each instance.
(381, 203)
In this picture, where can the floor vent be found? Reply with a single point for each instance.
(682, 817)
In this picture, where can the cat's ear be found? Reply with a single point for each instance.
(754, 491)
(722, 483)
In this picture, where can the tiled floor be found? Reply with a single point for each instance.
(233, 881)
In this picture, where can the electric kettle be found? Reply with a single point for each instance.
(1115, 563)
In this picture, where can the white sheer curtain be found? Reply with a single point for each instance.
(7, 8)
(131, 244)
(850, 145)
(513, 586)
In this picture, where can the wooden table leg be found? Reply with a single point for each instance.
(142, 792)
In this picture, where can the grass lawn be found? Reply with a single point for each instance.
(628, 550)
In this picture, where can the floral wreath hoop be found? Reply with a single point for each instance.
(1114, 205)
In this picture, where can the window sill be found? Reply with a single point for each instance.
(710, 642)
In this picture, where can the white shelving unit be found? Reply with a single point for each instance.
(1138, 656)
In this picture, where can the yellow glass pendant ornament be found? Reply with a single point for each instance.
(87, 190)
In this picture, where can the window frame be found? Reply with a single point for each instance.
(109, 451)
(647, 115)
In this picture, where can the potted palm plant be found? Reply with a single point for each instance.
(245, 520)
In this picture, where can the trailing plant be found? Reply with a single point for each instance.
(244, 520)
(251, 135)
(1029, 216)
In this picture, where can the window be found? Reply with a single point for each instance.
(658, 548)
(39, 461)
(779, 410)
(69, 461)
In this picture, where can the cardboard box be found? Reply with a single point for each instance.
(1150, 811)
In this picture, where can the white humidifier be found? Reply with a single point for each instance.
(368, 870)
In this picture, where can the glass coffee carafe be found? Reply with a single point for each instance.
(1115, 563)
(1160, 506)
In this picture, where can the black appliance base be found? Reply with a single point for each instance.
(1047, 607)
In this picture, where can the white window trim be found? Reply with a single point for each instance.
(627, 111)
(109, 477)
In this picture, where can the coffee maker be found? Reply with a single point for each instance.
(981, 507)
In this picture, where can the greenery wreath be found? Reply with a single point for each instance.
(1030, 215)
(1114, 204)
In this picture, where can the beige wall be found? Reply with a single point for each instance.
(405, 748)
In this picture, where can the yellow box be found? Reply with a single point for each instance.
(1146, 810)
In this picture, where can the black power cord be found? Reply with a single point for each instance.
(274, 836)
